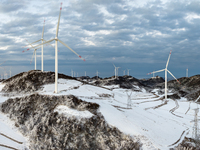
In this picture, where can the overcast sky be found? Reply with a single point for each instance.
(132, 34)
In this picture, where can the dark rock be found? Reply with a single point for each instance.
(152, 81)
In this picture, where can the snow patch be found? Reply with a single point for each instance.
(61, 109)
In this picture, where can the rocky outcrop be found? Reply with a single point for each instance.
(31, 81)
(34, 115)
(127, 82)
(189, 87)
(152, 81)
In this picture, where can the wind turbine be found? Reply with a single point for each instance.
(97, 74)
(187, 72)
(166, 74)
(10, 73)
(72, 73)
(39, 47)
(34, 53)
(116, 71)
(56, 51)
(128, 71)
(124, 71)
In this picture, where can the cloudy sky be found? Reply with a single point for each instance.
(132, 34)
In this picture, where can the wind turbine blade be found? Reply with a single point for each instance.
(114, 65)
(156, 71)
(71, 49)
(30, 44)
(49, 43)
(43, 29)
(2, 62)
(35, 42)
(36, 47)
(168, 59)
(58, 22)
(173, 76)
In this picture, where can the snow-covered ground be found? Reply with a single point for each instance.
(157, 123)
(157, 128)
(9, 135)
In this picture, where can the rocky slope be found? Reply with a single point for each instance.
(127, 82)
(189, 87)
(34, 115)
(36, 118)
(152, 81)
(31, 81)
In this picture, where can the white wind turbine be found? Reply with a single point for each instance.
(97, 74)
(187, 72)
(124, 72)
(166, 74)
(116, 71)
(56, 51)
(10, 73)
(128, 71)
(72, 74)
(39, 47)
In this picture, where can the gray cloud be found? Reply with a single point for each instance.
(133, 36)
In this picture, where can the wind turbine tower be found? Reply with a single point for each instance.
(124, 72)
(166, 74)
(187, 72)
(10, 72)
(97, 74)
(128, 71)
(72, 73)
(117, 70)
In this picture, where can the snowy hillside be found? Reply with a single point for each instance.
(43, 115)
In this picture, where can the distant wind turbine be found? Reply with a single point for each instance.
(124, 72)
(187, 72)
(10, 72)
(34, 53)
(97, 74)
(56, 51)
(116, 71)
(42, 60)
(166, 74)
(128, 71)
(72, 73)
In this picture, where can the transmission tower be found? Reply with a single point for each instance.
(129, 100)
(195, 133)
